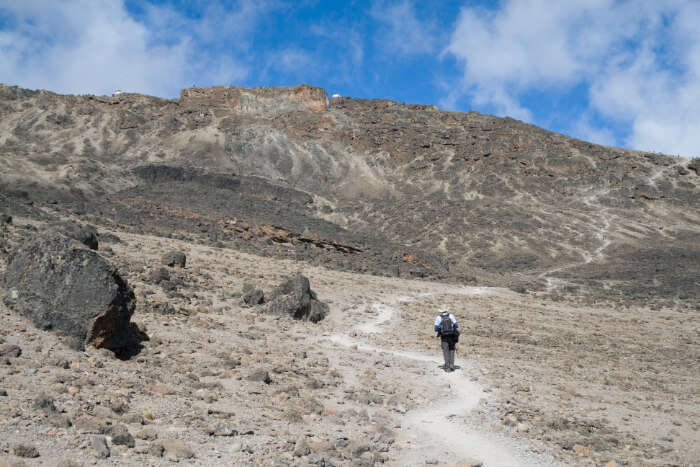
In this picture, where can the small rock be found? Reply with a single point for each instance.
(44, 403)
(176, 449)
(469, 463)
(254, 297)
(342, 442)
(11, 351)
(133, 419)
(156, 449)
(3, 393)
(301, 448)
(121, 436)
(5, 219)
(69, 463)
(357, 448)
(522, 428)
(174, 258)
(260, 375)
(510, 420)
(24, 450)
(88, 236)
(162, 308)
(160, 275)
(582, 450)
(99, 447)
(148, 434)
(223, 429)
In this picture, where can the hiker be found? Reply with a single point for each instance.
(446, 329)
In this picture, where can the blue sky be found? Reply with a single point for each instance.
(624, 73)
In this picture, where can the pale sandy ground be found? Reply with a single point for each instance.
(540, 383)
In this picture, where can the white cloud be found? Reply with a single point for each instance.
(618, 50)
(585, 130)
(97, 47)
(404, 34)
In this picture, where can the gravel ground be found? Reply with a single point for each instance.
(218, 383)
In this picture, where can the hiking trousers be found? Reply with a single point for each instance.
(448, 353)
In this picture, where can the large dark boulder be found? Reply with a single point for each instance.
(295, 298)
(70, 290)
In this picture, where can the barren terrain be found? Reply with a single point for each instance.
(573, 269)
(540, 382)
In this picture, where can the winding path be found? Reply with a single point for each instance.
(428, 433)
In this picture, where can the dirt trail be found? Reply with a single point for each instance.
(601, 217)
(429, 433)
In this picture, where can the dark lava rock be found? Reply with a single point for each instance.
(159, 275)
(25, 450)
(174, 258)
(5, 219)
(260, 375)
(9, 350)
(85, 234)
(168, 286)
(162, 308)
(71, 291)
(121, 436)
(694, 165)
(156, 449)
(45, 402)
(88, 237)
(254, 297)
(295, 298)
(99, 447)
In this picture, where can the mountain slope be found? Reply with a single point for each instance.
(364, 185)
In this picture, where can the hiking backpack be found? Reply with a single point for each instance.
(447, 328)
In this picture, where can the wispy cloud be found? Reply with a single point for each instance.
(402, 32)
(639, 62)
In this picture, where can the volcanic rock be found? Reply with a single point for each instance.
(175, 258)
(253, 297)
(176, 449)
(295, 298)
(25, 450)
(9, 350)
(71, 291)
(85, 234)
(99, 447)
(260, 375)
(120, 435)
(159, 275)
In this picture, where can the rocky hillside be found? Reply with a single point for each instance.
(364, 185)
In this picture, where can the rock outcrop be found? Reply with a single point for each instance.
(175, 258)
(72, 291)
(295, 298)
